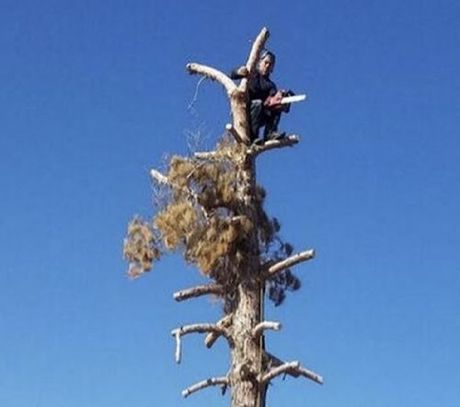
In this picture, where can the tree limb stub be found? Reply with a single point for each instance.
(159, 177)
(292, 368)
(206, 155)
(198, 291)
(222, 381)
(288, 262)
(229, 127)
(212, 337)
(287, 141)
(163, 180)
(198, 328)
(213, 74)
(194, 328)
(264, 325)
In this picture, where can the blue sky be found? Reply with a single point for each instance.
(94, 94)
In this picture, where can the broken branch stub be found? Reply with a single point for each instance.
(288, 262)
(264, 325)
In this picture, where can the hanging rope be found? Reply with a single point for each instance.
(195, 96)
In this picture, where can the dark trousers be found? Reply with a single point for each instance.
(262, 117)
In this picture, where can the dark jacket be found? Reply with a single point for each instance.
(259, 87)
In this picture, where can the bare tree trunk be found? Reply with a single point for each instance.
(246, 353)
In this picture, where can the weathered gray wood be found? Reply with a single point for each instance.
(198, 291)
(212, 381)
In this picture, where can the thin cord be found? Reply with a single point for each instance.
(195, 96)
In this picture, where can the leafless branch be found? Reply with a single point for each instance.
(213, 74)
(287, 141)
(256, 48)
(198, 291)
(223, 323)
(205, 155)
(251, 63)
(262, 326)
(198, 328)
(288, 262)
(178, 354)
(194, 328)
(159, 177)
(308, 374)
(292, 368)
(222, 381)
(276, 371)
(163, 180)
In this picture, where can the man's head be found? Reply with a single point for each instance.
(266, 63)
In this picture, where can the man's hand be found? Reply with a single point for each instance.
(242, 71)
(274, 102)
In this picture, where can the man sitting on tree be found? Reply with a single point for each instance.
(265, 98)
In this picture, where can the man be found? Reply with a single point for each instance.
(266, 107)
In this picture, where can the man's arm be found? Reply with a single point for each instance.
(239, 73)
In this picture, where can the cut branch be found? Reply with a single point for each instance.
(198, 291)
(229, 127)
(262, 326)
(163, 180)
(288, 262)
(194, 328)
(213, 74)
(212, 337)
(198, 328)
(276, 371)
(222, 381)
(206, 155)
(292, 368)
(272, 144)
(159, 177)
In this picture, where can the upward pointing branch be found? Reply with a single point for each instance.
(256, 48)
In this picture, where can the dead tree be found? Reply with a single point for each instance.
(212, 212)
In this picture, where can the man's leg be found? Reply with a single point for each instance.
(271, 125)
(257, 118)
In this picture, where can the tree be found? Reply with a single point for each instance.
(211, 210)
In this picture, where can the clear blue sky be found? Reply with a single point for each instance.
(93, 94)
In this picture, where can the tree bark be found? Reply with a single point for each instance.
(247, 351)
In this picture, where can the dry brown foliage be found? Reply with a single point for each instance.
(202, 219)
(140, 248)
